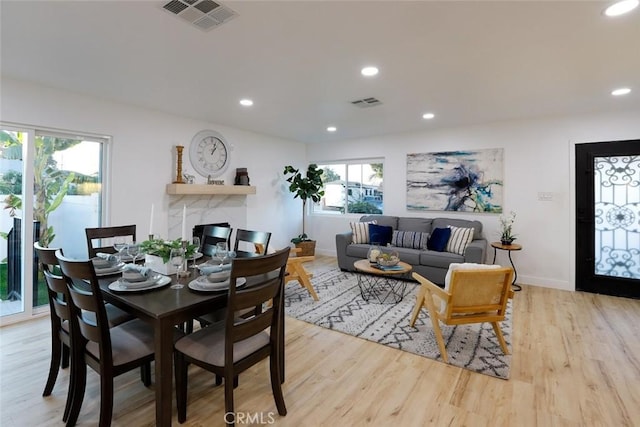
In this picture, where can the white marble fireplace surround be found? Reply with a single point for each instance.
(205, 209)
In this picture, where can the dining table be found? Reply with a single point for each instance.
(164, 309)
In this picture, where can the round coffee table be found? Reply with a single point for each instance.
(383, 284)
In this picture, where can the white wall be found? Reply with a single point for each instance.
(538, 158)
(142, 159)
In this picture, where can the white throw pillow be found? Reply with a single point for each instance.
(360, 231)
(459, 240)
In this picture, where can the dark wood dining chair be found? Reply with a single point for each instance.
(259, 240)
(240, 342)
(108, 351)
(213, 234)
(97, 234)
(59, 316)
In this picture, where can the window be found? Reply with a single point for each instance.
(353, 186)
(46, 178)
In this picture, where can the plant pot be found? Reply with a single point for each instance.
(157, 265)
(307, 248)
(507, 242)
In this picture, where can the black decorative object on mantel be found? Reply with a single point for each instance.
(242, 177)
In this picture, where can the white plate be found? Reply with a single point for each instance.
(203, 285)
(160, 282)
(109, 270)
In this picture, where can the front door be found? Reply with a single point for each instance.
(608, 218)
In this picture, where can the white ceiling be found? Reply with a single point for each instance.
(468, 62)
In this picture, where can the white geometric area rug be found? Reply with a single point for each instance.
(341, 308)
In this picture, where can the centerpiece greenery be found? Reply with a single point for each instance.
(162, 248)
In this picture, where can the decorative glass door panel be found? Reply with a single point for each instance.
(617, 214)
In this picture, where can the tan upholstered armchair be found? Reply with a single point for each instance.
(471, 296)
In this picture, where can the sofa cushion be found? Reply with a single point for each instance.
(410, 239)
(438, 239)
(410, 256)
(459, 240)
(389, 221)
(360, 231)
(358, 250)
(415, 224)
(439, 259)
(445, 222)
(380, 234)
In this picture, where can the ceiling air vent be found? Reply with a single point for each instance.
(203, 14)
(366, 102)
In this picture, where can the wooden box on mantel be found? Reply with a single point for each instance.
(209, 189)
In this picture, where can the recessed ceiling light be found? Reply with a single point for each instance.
(428, 116)
(621, 7)
(621, 91)
(369, 71)
(331, 129)
(246, 102)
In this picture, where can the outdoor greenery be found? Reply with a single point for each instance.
(41, 291)
(50, 184)
(363, 207)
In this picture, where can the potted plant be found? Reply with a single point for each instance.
(157, 253)
(307, 186)
(506, 224)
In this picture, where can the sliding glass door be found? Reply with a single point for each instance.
(64, 197)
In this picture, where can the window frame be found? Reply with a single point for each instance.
(346, 163)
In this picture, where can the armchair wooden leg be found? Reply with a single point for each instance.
(498, 331)
(438, 333)
(418, 307)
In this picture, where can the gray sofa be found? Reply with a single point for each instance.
(431, 264)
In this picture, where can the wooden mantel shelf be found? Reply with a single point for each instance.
(207, 189)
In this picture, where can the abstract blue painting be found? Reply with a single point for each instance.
(465, 181)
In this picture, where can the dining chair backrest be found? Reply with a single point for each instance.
(211, 235)
(95, 237)
(56, 284)
(256, 239)
(267, 276)
(87, 308)
(199, 228)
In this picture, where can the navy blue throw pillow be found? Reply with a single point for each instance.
(438, 239)
(380, 234)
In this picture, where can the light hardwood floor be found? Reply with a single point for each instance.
(576, 362)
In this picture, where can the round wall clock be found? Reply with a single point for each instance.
(209, 153)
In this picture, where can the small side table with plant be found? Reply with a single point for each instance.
(506, 243)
